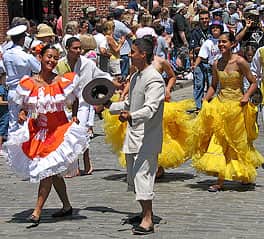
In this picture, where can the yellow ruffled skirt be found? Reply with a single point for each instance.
(176, 130)
(222, 141)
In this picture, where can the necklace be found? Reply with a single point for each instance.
(39, 79)
(49, 80)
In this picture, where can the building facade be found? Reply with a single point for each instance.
(37, 9)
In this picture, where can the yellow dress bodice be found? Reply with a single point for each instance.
(231, 85)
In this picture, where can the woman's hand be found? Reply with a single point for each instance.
(75, 119)
(125, 116)
(22, 116)
(244, 100)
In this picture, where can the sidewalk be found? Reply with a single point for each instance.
(183, 208)
(182, 83)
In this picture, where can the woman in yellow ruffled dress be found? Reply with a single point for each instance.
(224, 130)
(176, 126)
(176, 129)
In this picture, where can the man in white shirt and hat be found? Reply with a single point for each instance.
(87, 70)
(91, 15)
(17, 63)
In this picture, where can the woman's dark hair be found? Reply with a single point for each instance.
(159, 29)
(250, 48)
(47, 47)
(99, 27)
(71, 40)
(146, 44)
(230, 36)
(156, 11)
(82, 21)
(33, 22)
(247, 49)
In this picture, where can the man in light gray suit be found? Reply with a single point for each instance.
(143, 142)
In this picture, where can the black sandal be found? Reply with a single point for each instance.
(63, 213)
(33, 220)
(138, 230)
(132, 220)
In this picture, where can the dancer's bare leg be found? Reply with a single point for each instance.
(88, 168)
(43, 193)
(60, 187)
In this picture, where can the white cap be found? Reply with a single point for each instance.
(90, 9)
(17, 30)
(180, 6)
(122, 7)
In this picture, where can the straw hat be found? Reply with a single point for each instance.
(45, 31)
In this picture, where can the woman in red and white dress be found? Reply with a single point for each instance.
(46, 146)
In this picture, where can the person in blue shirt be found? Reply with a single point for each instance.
(132, 4)
(17, 63)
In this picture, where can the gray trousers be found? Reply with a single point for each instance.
(141, 172)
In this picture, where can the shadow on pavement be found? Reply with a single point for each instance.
(129, 219)
(21, 217)
(106, 169)
(169, 177)
(116, 177)
(228, 186)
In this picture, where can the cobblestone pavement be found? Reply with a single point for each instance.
(183, 207)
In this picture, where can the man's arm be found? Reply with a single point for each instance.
(243, 32)
(183, 38)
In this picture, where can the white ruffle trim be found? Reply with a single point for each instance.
(47, 103)
(62, 160)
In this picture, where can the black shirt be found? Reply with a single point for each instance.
(180, 24)
(254, 37)
(198, 37)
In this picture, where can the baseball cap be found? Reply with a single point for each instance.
(216, 23)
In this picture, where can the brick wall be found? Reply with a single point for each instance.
(102, 6)
(4, 21)
(75, 11)
(75, 7)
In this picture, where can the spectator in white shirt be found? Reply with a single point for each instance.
(17, 63)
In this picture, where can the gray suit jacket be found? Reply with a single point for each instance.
(145, 104)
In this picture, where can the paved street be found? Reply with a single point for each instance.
(183, 207)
